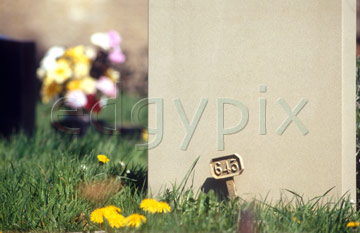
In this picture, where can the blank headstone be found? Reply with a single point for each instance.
(285, 72)
(17, 86)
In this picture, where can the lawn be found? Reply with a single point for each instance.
(52, 183)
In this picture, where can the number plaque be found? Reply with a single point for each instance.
(226, 167)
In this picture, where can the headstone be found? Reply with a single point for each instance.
(273, 81)
(18, 86)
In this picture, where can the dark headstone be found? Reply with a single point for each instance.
(17, 86)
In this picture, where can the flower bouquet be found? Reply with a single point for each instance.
(83, 77)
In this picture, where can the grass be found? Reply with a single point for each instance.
(51, 182)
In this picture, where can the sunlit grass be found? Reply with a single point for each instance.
(52, 182)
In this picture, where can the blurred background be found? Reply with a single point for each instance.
(67, 23)
(72, 22)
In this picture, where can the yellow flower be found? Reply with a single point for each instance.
(49, 90)
(73, 85)
(145, 135)
(112, 74)
(163, 207)
(88, 85)
(62, 71)
(81, 69)
(116, 220)
(135, 220)
(353, 224)
(103, 158)
(149, 205)
(298, 221)
(111, 213)
(153, 206)
(109, 210)
(97, 216)
(77, 54)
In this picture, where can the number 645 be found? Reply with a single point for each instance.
(230, 166)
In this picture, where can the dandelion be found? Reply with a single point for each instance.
(111, 213)
(109, 210)
(103, 159)
(154, 206)
(149, 205)
(295, 220)
(135, 220)
(116, 220)
(145, 135)
(353, 224)
(163, 207)
(97, 216)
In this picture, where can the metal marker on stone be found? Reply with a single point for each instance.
(226, 167)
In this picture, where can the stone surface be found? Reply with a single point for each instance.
(275, 59)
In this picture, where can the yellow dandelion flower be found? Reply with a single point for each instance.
(353, 224)
(163, 207)
(111, 213)
(116, 220)
(295, 220)
(73, 85)
(103, 159)
(109, 210)
(149, 205)
(145, 135)
(154, 206)
(97, 216)
(135, 220)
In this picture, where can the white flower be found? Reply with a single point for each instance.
(83, 167)
(55, 51)
(75, 99)
(101, 39)
(49, 60)
(48, 63)
(90, 52)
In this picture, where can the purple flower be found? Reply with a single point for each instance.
(114, 38)
(117, 56)
(106, 86)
